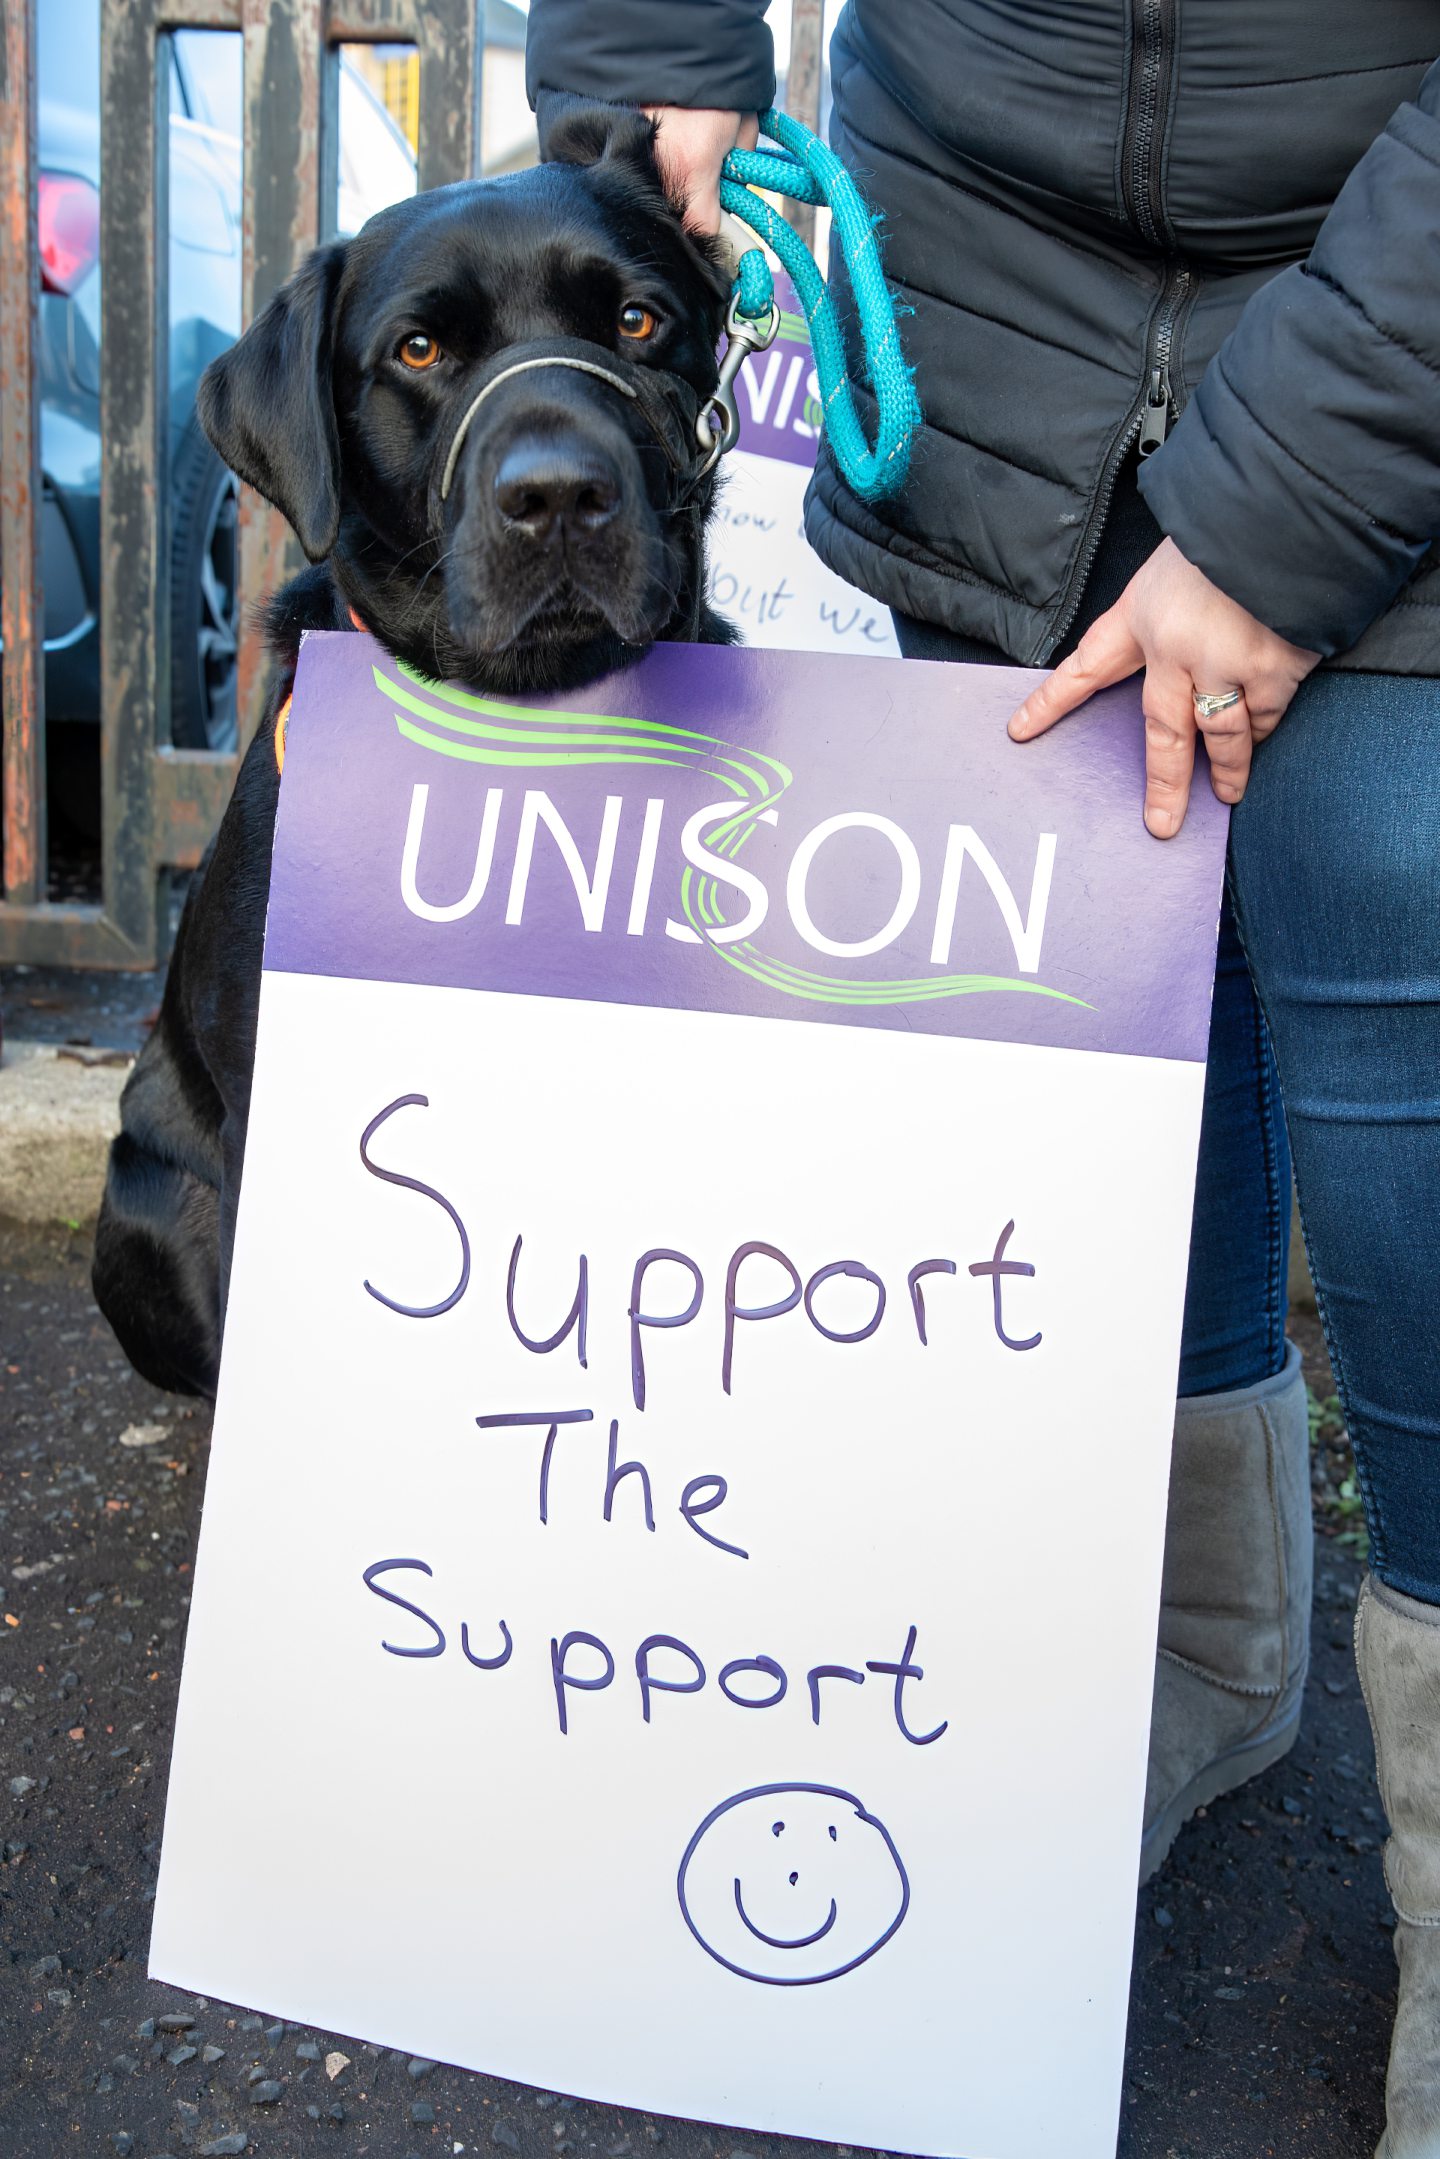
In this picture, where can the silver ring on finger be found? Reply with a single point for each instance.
(1209, 702)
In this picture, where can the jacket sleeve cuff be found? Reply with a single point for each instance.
(715, 53)
(1278, 537)
(1305, 477)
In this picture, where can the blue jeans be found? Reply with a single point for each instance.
(1237, 1291)
(1335, 881)
(1333, 917)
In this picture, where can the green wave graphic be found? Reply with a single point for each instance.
(489, 731)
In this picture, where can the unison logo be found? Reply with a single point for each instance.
(724, 904)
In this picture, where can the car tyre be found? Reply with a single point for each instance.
(204, 598)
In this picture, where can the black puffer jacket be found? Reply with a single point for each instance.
(1106, 213)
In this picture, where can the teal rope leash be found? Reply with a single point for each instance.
(807, 171)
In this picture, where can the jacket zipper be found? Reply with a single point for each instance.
(1160, 404)
(1141, 153)
(1143, 138)
(1148, 424)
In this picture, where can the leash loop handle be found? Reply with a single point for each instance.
(807, 170)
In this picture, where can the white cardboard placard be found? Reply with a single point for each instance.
(889, 1909)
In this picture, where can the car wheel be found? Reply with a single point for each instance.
(204, 611)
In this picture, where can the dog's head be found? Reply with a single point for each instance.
(481, 411)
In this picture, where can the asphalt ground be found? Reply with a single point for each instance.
(1263, 1983)
(86, 1009)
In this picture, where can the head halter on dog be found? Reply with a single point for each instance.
(675, 412)
(521, 367)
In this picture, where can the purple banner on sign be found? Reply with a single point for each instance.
(795, 835)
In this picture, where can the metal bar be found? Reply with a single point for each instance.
(22, 683)
(451, 38)
(387, 22)
(71, 935)
(802, 90)
(134, 589)
(189, 791)
(282, 221)
(291, 151)
(371, 22)
(197, 14)
(329, 143)
(159, 805)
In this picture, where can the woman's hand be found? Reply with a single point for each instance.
(1189, 638)
(692, 145)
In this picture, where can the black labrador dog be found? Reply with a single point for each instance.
(479, 416)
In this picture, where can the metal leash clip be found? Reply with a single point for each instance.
(717, 428)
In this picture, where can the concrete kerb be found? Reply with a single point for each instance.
(59, 1110)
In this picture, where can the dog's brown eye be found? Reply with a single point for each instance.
(637, 322)
(419, 351)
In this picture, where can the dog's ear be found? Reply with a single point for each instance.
(267, 406)
(577, 131)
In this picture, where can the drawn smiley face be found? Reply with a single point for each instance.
(792, 1884)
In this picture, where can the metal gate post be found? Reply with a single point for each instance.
(802, 91)
(291, 166)
(147, 789)
(159, 805)
(451, 38)
(22, 774)
(285, 70)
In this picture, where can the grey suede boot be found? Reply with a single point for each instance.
(1397, 1649)
(1234, 1600)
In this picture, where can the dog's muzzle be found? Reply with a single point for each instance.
(669, 405)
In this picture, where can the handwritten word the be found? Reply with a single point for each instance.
(701, 1495)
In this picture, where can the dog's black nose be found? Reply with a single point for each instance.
(542, 487)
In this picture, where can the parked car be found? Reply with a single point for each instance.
(204, 266)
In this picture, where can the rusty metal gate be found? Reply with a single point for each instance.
(160, 804)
